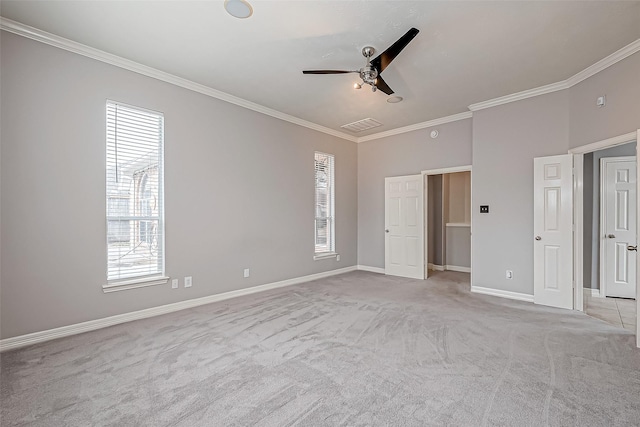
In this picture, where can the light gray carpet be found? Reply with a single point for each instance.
(350, 350)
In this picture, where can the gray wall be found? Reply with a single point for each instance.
(505, 141)
(592, 235)
(239, 191)
(398, 155)
(458, 246)
(621, 85)
(238, 188)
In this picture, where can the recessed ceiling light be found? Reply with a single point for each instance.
(238, 8)
(394, 99)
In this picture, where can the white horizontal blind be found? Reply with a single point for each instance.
(324, 223)
(135, 212)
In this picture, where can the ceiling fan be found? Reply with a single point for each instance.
(370, 73)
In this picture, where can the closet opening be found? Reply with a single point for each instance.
(447, 213)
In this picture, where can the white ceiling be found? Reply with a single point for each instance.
(466, 52)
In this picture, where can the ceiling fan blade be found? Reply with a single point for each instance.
(383, 86)
(385, 58)
(327, 72)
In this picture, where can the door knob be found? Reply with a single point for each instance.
(386, 231)
(632, 248)
(538, 238)
(611, 236)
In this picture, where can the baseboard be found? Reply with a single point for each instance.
(436, 267)
(592, 292)
(457, 268)
(92, 325)
(371, 269)
(503, 294)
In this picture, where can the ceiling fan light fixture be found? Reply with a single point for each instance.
(238, 8)
(370, 73)
(394, 99)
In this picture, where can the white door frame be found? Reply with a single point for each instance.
(603, 219)
(578, 218)
(440, 171)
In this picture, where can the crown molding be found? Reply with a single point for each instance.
(518, 96)
(417, 126)
(614, 58)
(108, 58)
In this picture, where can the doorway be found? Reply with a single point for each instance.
(447, 213)
(591, 235)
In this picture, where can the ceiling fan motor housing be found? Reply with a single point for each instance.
(368, 74)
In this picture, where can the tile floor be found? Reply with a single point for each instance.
(615, 311)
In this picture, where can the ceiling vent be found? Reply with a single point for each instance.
(362, 125)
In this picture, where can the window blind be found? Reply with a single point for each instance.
(135, 211)
(324, 195)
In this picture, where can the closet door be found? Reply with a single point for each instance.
(404, 223)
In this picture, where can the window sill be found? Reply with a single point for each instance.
(324, 255)
(134, 283)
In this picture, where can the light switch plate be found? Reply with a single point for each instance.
(188, 282)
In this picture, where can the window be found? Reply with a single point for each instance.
(135, 212)
(324, 224)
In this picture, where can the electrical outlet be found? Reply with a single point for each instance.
(338, 258)
(246, 272)
(174, 284)
(509, 274)
(188, 282)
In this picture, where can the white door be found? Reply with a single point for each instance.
(552, 227)
(403, 243)
(618, 265)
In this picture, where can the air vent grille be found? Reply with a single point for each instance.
(362, 125)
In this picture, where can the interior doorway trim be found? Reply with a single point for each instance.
(440, 171)
(578, 217)
(578, 214)
(452, 169)
(605, 143)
